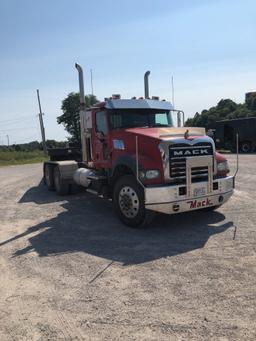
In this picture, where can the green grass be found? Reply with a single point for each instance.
(8, 158)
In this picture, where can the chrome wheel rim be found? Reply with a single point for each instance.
(128, 202)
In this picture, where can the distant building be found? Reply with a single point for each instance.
(249, 95)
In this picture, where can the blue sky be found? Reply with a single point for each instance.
(208, 46)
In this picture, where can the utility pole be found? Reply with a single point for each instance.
(173, 93)
(41, 123)
(173, 104)
(91, 83)
(8, 141)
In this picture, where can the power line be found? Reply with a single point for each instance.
(15, 119)
(17, 125)
(27, 138)
(18, 128)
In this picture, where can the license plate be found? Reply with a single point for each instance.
(199, 191)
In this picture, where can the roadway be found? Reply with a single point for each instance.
(71, 271)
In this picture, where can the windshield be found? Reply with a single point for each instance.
(147, 118)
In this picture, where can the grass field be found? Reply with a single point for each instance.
(8, 158)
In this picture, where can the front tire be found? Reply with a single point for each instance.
(129, 201)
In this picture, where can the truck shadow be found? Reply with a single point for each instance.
(39, 195)
(88, 224)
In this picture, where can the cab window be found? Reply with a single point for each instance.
(101, 122)
(161, 118)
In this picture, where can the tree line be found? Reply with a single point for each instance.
(33, 145)
(226, 109)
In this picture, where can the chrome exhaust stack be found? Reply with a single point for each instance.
(146, 87)
(84, 143)
(180, 122)
(81, 86)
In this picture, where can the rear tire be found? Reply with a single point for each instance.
(61, 186)
(129, 201)
(48, 176)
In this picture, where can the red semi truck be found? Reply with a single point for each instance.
(133, 155)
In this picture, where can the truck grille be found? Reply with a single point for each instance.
(178, 155)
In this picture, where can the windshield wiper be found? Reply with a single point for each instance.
(160, 125)
(132, 126)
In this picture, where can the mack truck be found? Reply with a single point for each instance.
(133, 155)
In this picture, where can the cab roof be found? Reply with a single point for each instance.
(137, 104)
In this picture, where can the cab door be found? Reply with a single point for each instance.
(101, 141)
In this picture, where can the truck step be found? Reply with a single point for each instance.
(96, 177)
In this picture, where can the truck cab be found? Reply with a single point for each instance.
(114, 126)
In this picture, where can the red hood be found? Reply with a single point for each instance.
(167, 133)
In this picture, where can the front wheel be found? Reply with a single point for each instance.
(129, 201)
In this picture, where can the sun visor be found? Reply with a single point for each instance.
(137, 104)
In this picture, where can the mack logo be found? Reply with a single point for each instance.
(199, 203)
(188, 152)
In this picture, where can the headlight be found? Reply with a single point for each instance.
(223, 167)
(152, 174)
(149, 174)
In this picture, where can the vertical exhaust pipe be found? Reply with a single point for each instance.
(84, 143)
(146, 87)
(81, 86)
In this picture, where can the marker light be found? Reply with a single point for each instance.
(116, 96)
(222, 167)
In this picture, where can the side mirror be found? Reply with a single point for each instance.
(101, 136)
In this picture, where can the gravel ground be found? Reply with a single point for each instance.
(71, 271)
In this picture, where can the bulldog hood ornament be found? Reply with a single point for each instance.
(186, 135)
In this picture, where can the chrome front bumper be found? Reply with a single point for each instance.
(168, 199)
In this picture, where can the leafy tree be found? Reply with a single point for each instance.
(70, 117)
(225, 109)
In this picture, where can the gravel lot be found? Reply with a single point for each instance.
(71, 271)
